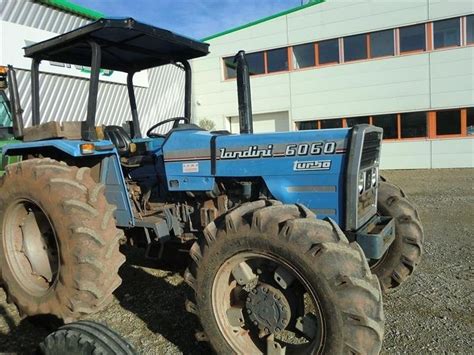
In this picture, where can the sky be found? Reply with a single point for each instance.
(193, 18)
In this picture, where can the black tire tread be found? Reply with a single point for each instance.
(341, 262)
(405, 253)
(93, 239)
(85, 337)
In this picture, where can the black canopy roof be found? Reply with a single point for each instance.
(127, 45)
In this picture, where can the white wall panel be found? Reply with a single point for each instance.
(452, 78)
(335, 18)
(449, 8)
(406, 155)
(453, 153)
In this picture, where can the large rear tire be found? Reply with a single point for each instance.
(59, 246)
(403, 256)
(324, 299)
(84, 338)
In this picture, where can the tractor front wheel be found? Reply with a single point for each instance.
(59, 246)
(271, 278)
(402, 257)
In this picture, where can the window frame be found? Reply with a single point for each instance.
(369, 44)
(413, 51)
(367, 48)
(427, 126)
(464, 31)
(292, 56)
(339, 50)
(433, 124)
(432, 34)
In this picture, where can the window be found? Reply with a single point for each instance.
(230, 68)
(413, 124)
(381, 44)
(389, 125)
(5, 117)
(305, 125)
(446, 33)
(470, 28)
(355, 48)
(303, 56)
(448, 122)
(337, 123)
(277, 60)
(470, 121)
(256, 63)
(328, 51)
(412, 38)
(357, 120)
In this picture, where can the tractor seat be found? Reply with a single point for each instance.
(125, 147)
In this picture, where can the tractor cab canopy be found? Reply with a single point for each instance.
(115, 44)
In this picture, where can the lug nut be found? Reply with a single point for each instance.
(249, 311)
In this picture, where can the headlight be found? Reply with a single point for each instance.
(375, 177)
(361, 182)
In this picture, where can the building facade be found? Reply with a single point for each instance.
(407, 66)
(64, 88)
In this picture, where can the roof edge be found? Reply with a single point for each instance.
(268, 18)
(75, 9)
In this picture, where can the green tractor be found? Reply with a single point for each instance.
(7, 132)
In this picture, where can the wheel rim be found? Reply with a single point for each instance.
(262, 304)
(31, 247)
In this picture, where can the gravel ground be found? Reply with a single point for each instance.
(432, 313)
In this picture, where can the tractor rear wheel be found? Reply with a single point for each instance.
(85, 337)
(402, 257)
(271, 278)
(59, 246)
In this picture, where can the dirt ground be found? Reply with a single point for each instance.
(432, 313)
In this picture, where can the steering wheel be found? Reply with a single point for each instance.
(155, 126)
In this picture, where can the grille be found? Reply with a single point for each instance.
(370, 149)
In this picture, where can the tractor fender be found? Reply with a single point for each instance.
(69, 147)
(104, 155)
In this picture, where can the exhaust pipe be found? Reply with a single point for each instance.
(243, 93)
(17, 111)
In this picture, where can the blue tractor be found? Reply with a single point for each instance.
(292, 237)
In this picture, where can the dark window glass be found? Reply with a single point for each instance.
(470, 28)
(329, 51)
(413, 125)
(355, 48)
(381, 44)
(277, 60)
(337, 123)
(256, 63)
(305, 125)
(5, 116)
(448, 122)
(446, 33)
(470, 121)
(357, 120)
(230, 68)
(389, 125)
(412, 38)
(303, 55)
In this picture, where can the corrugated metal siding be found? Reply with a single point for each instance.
(34, 14)
(64, 98)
